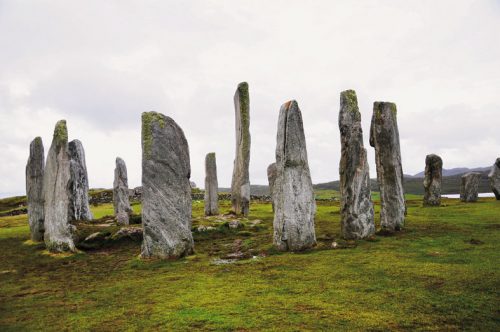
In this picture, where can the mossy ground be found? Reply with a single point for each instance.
(441, 273)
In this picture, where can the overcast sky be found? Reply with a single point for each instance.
(100, 64)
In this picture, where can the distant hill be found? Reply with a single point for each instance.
(413, 185)
(455, 171)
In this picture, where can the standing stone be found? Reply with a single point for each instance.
(384, 137)
(432, 180)
(34, 189)
(211, 186)
(240, 185)
(79, 206)
(494, 178)
(356, 206)
(166, 200)
(294, 196)
(121, 202)
(470, 184)
(57, 193)
(271, 177)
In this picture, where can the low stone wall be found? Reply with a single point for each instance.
(106, 196)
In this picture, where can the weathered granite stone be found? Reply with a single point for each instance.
(121, 201)
(432, 180)
(240, 185)
(79, 205)
(494, 178)
(356, 206)
(34, 189)
(384, 137)
(293, 191)
(211, 186)
(166, 199)
(271, 178)
(470, 184)
(56, 187)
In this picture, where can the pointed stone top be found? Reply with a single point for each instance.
(243, 86)
(36, 144)
(60, 133)
(119, 160)
(291, 105)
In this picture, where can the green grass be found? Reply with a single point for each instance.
(429, 277)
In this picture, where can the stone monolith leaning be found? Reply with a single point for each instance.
(432, 180)
(469, 187)
(494, 178)
(293, 191)
(166, 200)
(79, 205)
(240, 185)
(58, 234)
(34, 189)
(211, 186)
(356, 206)
(121, 203)
(384, 137)
(271, 178)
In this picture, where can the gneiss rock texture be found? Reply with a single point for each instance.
(56, 188)
(494, 178)
(293, 190)
(271, 178)
(34, 189)
(240, 185)
(121, 201)
(166, 200)
(384, 137)
(432, 180)
(356, 207)
(211, 186)
(470, 184)
(79, 206)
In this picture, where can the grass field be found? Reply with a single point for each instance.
(441, 273)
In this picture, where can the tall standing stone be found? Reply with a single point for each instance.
(240, 185)
(293, 191)
(79, 206)
(56, 188)
(356, 206)
(34, 189)
(271, 178)
(384, 137)
(166, 200)
(470, 184)
(432, 180)
(211, 186)
(494, 178)
(121, 201)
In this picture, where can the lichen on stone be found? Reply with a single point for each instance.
(148, 118)
(349, 99)
(244, 100)
(60, 132)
